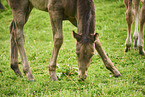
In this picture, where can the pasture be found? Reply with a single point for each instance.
(112, 29)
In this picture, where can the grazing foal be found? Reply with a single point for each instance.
(139, 18)
(81, 13)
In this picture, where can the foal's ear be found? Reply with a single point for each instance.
(76, 36)
(96, 36)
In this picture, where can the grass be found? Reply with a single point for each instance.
(112, 28)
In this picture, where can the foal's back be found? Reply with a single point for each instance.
(67, 6)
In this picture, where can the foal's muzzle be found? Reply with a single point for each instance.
(82, 78)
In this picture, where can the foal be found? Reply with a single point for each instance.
(139, 17)
(81, 13)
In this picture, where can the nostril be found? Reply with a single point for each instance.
(85, 76)
(82, 78)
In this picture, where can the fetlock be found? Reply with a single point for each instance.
(15, 68)
(52, 73)
(135, 37)
(128, 46)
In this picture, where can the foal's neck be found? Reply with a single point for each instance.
(85, 17)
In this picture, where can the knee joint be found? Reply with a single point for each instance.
(58, 41)
(129, 16)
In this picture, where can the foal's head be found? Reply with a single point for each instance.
(85, 50)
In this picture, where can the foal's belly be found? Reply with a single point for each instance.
(40, 4)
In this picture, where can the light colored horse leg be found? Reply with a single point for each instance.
(141, 31)
(108, 63)
(56, 23)
(20, 16)
(137, 12)
(129, 19)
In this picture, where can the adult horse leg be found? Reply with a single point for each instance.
(129, 19)
(56, 23)
(137, 12)
(141, 31)
(108, 63)
(20, 16)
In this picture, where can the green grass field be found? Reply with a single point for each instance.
(112, 29)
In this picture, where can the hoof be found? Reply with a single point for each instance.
(116, 75)
(29, 76)
(32, 80)
(135, 47)
(141, 51)
(127, 49)
(21, 76)
(135, 44)
(18, 73)
(128, 46)
(16, 69)
(53, 78)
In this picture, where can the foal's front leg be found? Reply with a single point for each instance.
(137, 12)
(108, 63)
(129, 19)
(56, 23)
(17, 42)
(20, 16)
(141, 31)
(14, 50)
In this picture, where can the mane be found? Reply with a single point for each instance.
(86, 17)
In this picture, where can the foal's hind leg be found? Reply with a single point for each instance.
(141, 31)
(21, 10)
(137, 12)
(14, 50)
(56, 23)
(129, 19)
